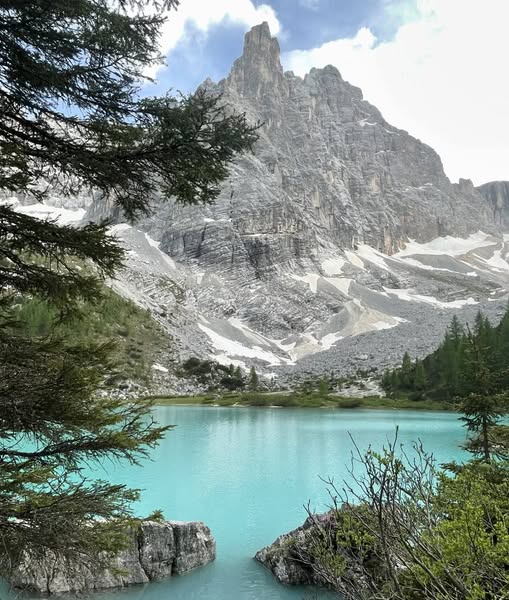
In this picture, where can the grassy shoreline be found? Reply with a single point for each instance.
(295, 400)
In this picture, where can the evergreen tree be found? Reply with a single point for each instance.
(406, 373)
(395, 381)
(323, 387)
(502, 350)
(448, 366)
(484, 406)
(419, 376)
(386, 381)
(448, 372)
(456, 331)
(253, 380)
(239, 376)
(70, 119)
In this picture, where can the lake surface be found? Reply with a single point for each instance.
(247, 472)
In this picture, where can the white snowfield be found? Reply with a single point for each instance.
(62, 216)
(410, 296)
(233, 348)
(451, 246)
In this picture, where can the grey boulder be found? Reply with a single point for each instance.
(156, 550)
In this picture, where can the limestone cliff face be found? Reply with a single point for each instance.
(156, 550)
(299, 254)
(497, 194)
(328, 171)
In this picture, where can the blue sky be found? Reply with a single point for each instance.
(433, 67)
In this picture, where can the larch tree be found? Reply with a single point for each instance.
(71, 118)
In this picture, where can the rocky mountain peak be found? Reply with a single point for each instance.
(259, 68)
(302, 251)
(260, 41)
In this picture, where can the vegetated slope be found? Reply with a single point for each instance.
(138, 340)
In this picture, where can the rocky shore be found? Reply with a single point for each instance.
(293, 557)
(156, 550)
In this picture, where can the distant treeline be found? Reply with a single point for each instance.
(466, 356)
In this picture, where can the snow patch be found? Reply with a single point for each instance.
(231, 347)
(449, 245)
(160, 368)
(118, 228)
(341, 283)
(416, 263)
(225, 360)
(329, 340)
(496, 261)
(333, 266)
(63, 216)
(354, 259)
(409, 296)
(151, 241)
(379, 325)
(373, 256)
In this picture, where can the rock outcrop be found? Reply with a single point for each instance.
(156, 550)
(284, 557)
(292, 557)
(497, 194)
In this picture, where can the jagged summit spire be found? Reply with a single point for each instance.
(260, 41)
(259, 66)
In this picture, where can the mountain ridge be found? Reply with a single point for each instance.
(337, 241)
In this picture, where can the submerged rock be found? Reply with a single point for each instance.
(156, 550)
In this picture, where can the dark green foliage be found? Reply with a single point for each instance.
(71, 119)
(53, 421)
(89, 56)
(111, 318)
(213, 374)
(323, 386)
(404, 530)
(482, 414)
(486, 403)
(467, 362)
(252, 383)
(233, 381)
(203, 370)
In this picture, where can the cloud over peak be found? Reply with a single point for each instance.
(441, 77)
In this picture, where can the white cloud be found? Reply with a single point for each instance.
(442, 77)
(203, 14)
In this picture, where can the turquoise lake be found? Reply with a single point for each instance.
(247, 472)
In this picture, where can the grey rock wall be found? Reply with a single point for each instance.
(328, 171)
(156, 550)
(497, 195)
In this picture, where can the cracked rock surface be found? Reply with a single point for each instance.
(156, 550)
